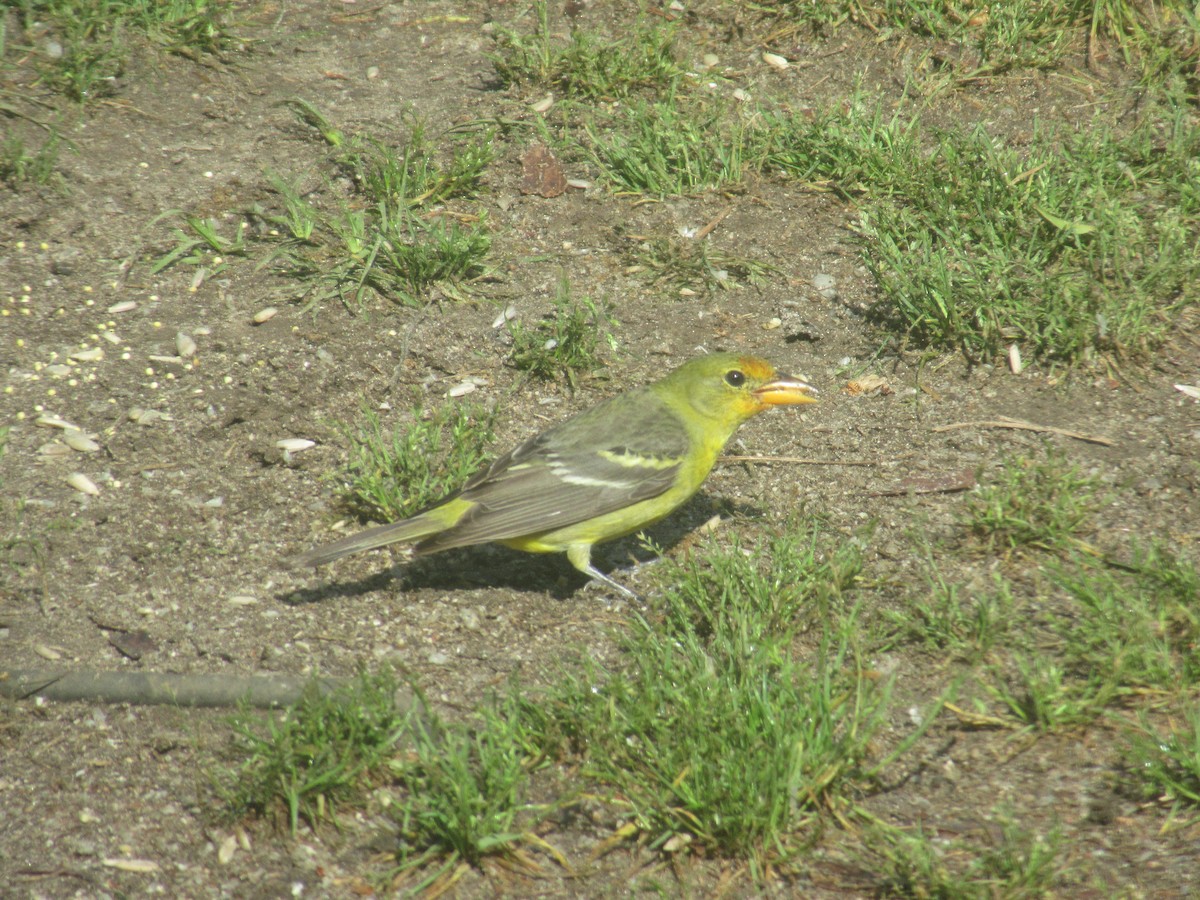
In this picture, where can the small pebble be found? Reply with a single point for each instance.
(825, 286)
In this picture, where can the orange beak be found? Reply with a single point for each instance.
(785, 391)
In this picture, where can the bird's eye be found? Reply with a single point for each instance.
(735, 378)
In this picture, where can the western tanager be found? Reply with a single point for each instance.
(605, 473)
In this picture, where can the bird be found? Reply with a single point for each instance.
(607, 472)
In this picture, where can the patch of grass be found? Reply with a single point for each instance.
(394, 236)
(1034, 503)
(588, 66)
(1012, 36)
(454, 790)
(715, 732)
(1137, 625)
(917, 865)
(564, 343)
(395, 474)
(691, 263)
(1082, 244)
(19, 164)
(202, 245)
(1166, 765)
(92, 36)
(672, 146)
(945, 617)
(459, 795)
(317, 755)
(1117, 634)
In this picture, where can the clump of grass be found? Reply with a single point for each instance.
(1081, 244)
(20, 164)
(454, 790)
(1034, 503)
(395, 237)
(946, 617)
(588, 66)
(1018, 863)
(1117, 633)
(1007, 37)
(393, 474)
(672, 146)
(692, 263)
(459, 795)
(564, 343)
(94, 37)
(714, 733)
(1166, 764)
(319, 754)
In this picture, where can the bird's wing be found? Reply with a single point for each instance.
(612, 456)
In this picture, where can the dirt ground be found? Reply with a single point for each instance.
(194, 508)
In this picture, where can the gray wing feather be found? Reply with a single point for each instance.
(530, 490)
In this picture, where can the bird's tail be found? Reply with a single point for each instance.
(380, 536)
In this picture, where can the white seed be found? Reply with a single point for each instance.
(710, 60)
(265, 315)
(1188, 391)
(228, 846)
(83, 484)
(578, 184)
(775, 61)
(79, 441)
(509, 312)
(123, 306)
(53, 450)
(243, 600)
(544, 104)
(50, 421)
(294, 445)
(46, 652)
(772, 323)
(58, 370)
(740, 95)
(184, 345)
(1014, 359)
(147, 416)
(111, 336)
(131, 865)
(91, 354)
(461, 390)
(550, 344)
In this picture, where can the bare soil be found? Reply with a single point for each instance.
(195, 508)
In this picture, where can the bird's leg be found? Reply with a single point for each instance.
(580, 556)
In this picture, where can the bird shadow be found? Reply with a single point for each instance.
(496, 566)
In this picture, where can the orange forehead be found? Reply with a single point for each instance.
(756, 369)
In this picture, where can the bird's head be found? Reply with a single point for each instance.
(729, 388)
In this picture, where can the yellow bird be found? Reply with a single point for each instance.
(607, 472)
